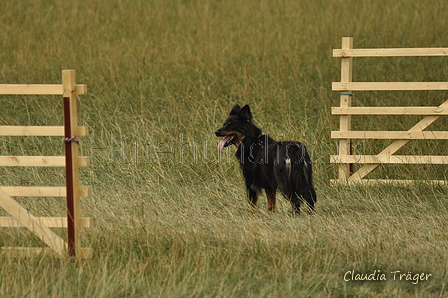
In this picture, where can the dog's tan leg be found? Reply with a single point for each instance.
(271, 201)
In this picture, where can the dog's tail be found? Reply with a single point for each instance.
(295, 174)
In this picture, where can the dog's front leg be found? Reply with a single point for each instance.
(253, 196)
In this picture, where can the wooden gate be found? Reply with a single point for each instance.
(345, 158)
(20, 217)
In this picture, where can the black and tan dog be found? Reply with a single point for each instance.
(267, 164)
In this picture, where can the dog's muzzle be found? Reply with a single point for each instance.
(227, 141)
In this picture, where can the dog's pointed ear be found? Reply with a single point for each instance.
(235, 110)
(245, 113)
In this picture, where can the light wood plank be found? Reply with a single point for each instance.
(345, 122)
(40, 89)
(41, 191)
(32, 223)
(389, 86)
(49, 131)
(85, 192)
(29, 252)
(370, 182)
(81, 89)
(389, 135)
(51, 222)
(39, 161)
(389, 111)
(390, 159)
(390, 52)
(34, 191)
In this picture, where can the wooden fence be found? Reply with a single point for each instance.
(20, 217)
(345, 158)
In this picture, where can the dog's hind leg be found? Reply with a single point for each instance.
(253, 194)
(310, 197)
(271, 200)
(295, 203)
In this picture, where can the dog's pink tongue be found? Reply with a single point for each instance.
(223, 142)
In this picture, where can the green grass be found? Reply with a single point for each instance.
(162, 76)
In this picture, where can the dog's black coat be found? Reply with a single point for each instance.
(267, 164)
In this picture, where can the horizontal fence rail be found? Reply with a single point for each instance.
(389, 135)
(391, 52)
(38, 161)
(39, 131)
(41, 191)
(390, 86)
(26, 89)
(51, 222)
(389, 111)
(390, 159)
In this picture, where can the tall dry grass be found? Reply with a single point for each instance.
(169, 213)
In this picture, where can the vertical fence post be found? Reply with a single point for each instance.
(345, 145)
(71, 162)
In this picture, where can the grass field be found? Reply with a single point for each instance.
(170, 216)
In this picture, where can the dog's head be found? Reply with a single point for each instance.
(236, 127)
